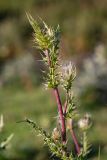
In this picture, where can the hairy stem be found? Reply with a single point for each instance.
(85, 142)
(62, 119)
(75, 139)
(47, 55)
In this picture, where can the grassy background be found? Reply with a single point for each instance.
(40, 106)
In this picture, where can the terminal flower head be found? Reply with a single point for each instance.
(85, 122)
(68, 74)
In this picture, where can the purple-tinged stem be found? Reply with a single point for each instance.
(75, 139)
(62, 119)
(60, 111)
(65, 108)
(66, 104)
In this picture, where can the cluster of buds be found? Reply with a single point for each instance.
(68, 74)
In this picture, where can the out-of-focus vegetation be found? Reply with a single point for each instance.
(84, 27)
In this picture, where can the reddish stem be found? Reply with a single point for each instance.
(62, 119)
(66, 104)
(75, 139)
(65, 108)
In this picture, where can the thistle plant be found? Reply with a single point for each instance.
(47, 40)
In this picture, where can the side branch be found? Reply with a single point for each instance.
(62, 119)
(75, 139)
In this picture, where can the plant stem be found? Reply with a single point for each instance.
(65, 108)
(62, 119)
(85, 142)
(60, 110)
(75, 139)
(66, 104)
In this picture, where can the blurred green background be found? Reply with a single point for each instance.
(84, 39)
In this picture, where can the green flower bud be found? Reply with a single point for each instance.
(56, 134)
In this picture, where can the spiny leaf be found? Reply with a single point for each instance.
(56, 147)
(86, 144)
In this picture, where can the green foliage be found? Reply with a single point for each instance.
(45, 37)
(72, 109)
(55, 146)
(86, 145)
(47, 40)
